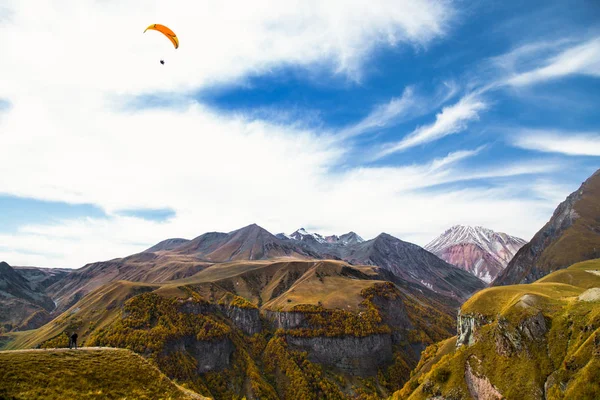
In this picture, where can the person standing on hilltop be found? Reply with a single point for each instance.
(73, 341)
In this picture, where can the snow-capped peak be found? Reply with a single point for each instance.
(345, 239)
(303, 234)
(478, 250)
(484, 237)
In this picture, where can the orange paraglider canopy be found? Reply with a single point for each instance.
(165, 31)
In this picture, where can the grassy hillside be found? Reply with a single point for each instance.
(84, 374)
(530, 341)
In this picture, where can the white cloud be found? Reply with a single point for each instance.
(552, 141)
(64, 138)
(581, 59)
(450, 120)
(59, 45)
(403, 201)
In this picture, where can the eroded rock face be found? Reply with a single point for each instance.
(353, 355)
(534, 327)
(480, 387)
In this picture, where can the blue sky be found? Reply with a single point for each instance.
(403, 117)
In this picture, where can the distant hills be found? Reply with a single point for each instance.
(478, 250)
(571, 235)
(23, 301)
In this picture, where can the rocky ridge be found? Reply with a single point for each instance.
(570, 236)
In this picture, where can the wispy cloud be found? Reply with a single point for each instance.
(552, 141)
(399, 109)
(581, 59)
(452, 119)
(384, 114)
(455, 157)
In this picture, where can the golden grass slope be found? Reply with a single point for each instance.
(563, 364)
(84, 374)
(282, 284)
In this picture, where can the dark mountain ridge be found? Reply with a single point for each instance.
(570, 236)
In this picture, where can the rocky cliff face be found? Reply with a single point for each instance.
(287, 320)
(508, 337)
(209, 356)
(361, 356)
(245, 319)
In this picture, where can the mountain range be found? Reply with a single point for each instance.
(249, 313)
(478, 250)
(180, 258)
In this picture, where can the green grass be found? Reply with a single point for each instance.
(83, 374)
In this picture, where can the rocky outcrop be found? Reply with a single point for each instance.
(466, 326)
(353, 355)
(592, 294)
(510, 339)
